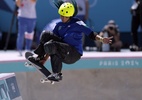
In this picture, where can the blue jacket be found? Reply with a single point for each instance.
(71, 32)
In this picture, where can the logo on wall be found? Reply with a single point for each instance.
(119, 63)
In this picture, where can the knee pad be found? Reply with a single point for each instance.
(50, 47)
(29, 35)
(45, 36)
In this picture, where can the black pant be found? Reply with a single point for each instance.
(58, 51)
(135, 23)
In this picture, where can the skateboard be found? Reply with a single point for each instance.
(41, 68)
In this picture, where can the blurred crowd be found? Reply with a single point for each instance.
(27, 21)
(111, 29)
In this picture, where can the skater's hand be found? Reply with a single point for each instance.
(107, 40)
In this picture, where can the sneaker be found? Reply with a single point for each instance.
(37, 59)
(35, 62)
(41, 59)
(55, 77)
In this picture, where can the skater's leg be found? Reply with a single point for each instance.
(56, 64)
(65, 52)
(45, 37)
(60, 52)
(42, 61)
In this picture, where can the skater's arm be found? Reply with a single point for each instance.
(95, 36)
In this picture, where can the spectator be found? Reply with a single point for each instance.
(111, 29)
(136, 12)
(26, 23)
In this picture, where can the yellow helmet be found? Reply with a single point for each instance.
(66, 9)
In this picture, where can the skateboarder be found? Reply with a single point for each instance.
(64, 44)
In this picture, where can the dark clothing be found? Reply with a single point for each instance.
(57, 50)
(136, 21)
(64, 45)
(71, 32)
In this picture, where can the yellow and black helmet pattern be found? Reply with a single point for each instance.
(66, 9)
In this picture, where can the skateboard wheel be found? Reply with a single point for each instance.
(52, 82)
(42, 80)
(46, 80)
(26, 64)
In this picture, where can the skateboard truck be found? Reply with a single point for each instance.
(43, 80)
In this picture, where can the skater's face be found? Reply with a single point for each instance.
(64, 19)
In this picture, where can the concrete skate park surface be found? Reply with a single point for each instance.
(85, 84)
(97, 76)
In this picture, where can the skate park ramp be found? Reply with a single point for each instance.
(10, 61)
(97, 76)
(88, 84)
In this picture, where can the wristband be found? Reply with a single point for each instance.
(101, 39)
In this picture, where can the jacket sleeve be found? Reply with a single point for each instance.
(92, 35)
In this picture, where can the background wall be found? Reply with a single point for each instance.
(100, 12)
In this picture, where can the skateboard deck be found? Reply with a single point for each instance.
(41, 68)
